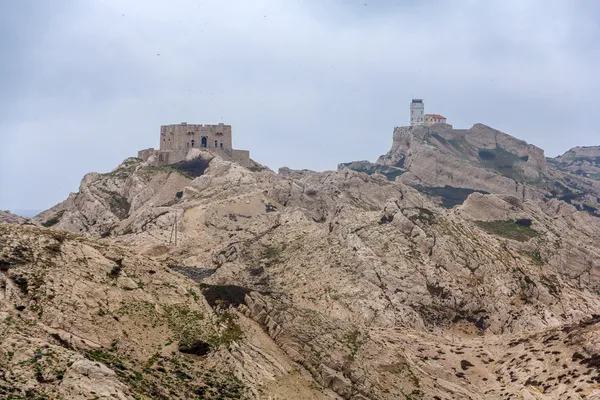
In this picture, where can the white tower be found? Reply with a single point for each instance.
(417, 112)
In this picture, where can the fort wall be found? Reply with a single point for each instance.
(177, 140)
(185, 136)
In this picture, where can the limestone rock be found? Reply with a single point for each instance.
(583, 161)
(10, 218)
(348, 284)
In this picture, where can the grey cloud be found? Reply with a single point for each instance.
(305, 84)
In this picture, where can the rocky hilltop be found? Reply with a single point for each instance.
(425, 275)
(584, 161)
(10, 218)
(452, 163)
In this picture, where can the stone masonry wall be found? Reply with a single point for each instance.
(177, 140)
(185, 136)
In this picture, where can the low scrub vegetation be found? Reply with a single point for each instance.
(53, 220)
(501, 161)
(520, 230)
(451, 196)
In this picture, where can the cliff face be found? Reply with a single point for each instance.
(451, 163)
(10, 218)
(361, 286)
(480, 146)
(82, 319)
(583, 161)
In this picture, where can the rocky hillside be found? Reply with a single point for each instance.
(84, 319)
(10, 218)
(584, 161)
(363, 286)
(452, 163)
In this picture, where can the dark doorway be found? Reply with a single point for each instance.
(204, 142)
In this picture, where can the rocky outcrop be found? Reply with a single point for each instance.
(86, 320)
(105, 200)
(583, 161)
(10, 218)
(348, 284)
(449, 164)
(478, 158)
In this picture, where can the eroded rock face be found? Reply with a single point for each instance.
(583, 161)
(478, 158)
(451, 163)
(10, 218)
(353, 283)
(85, 320)
(104, 201)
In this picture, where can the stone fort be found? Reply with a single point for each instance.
(177, 140)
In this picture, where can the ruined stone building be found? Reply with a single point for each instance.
(177, 140)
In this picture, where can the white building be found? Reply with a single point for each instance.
(417, 112)
(431, 119)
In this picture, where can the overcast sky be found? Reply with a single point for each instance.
(305, 84)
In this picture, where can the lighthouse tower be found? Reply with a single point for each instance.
(417, 112)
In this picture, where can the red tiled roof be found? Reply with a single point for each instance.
(436, 116)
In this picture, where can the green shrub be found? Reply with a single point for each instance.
(536, 256)
(51, 222)
(54, 220)
(229, 331)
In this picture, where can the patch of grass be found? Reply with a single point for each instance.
(229, 330)
(193, 293)
(271, 254)
(536, 257)
(353, 340)
(508, 229)
(185, 323)
(425, 216)
(501, 161)
(106, 358)
(51, 222)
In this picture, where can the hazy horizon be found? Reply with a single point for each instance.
(304, 84)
